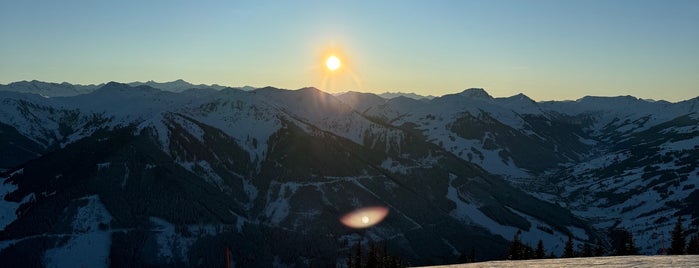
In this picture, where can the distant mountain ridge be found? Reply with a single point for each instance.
(48, 89)
(391, 95)
(51, 89)
(187, 172)
(178, 85)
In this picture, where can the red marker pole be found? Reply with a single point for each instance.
(663, 253)
(228, 258)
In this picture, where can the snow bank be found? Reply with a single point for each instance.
(617, 261)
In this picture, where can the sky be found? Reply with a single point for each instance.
(548, 50)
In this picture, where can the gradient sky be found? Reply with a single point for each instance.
(548, 50)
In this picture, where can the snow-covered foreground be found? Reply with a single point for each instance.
(619, 261)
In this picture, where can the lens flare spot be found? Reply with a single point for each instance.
(364, 217)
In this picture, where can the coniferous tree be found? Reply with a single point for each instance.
(527, 252)
(472, 257)
(372, 260)
(358, 255)
(621, 249)
(515, 248)
(587, 251)
(384, 258)
(693, 245)
(599, 250)
(463, 258)
(350, 257)
(677, 245)
(375, 258)
(631, 245)
(518, 250)
(625, 244)
(540, 252)
(568, 250)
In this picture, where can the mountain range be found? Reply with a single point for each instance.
(163, 174)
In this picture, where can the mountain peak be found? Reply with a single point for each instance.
(391, 95)
(521, 97)
(247, 88)
(113, 86)
(476, 93)
(311, 89)
(604, 98)
(178, 85)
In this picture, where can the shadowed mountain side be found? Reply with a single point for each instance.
(272, 171)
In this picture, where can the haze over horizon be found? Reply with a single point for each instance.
(547, 50)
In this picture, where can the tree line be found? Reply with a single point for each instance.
(521, 251)
(375, 257)
(623, 243)
(679, 244)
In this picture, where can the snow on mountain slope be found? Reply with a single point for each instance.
(623, 115)
(61, 120)
(360, 101)
(391, 95)
(123, 104)
(178, 85)
(65, 89)
(521, 104)
(240, 115)
(248, 116)
(468, 210)
(481, 129)
(326, 112)
(436, 120)
(88, 244)
(473, 151)
(48, 89)
(393, 109)
(641, 183)
(46, 121)
(623, 151)
(172, 246)
(251, 117)
(8, 209)
(296, 159)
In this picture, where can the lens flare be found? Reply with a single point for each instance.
(364, 217)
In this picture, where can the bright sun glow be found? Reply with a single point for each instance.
(333, 63)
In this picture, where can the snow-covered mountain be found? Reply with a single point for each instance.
(65, 89)
(268, 172)
(48, 89)
(178, 85)
(619, 162)
(391, 95)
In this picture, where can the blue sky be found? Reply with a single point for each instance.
(544, 49)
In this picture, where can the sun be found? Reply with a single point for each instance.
(333, 63)
(337, 72)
